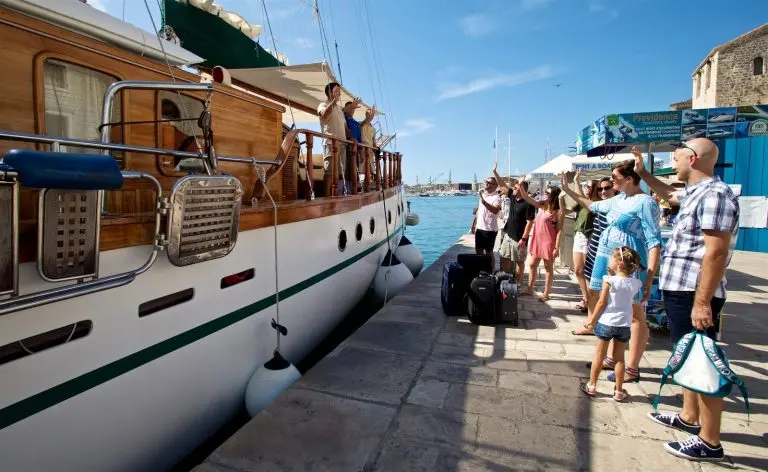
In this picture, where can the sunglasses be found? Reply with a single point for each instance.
(685, 146)
(605, 189)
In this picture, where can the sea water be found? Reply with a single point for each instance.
(443, 220)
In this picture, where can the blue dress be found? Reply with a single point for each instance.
(632, 222)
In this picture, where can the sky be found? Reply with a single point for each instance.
(450, 72)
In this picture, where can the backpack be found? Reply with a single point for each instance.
(698, 364)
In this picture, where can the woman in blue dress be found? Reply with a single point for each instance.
(632, 220)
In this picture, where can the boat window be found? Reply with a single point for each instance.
(39, 342)
(73, 98)
(342, 240)
(237, 278)
(359, 232)
(165, 302)
(179, 133)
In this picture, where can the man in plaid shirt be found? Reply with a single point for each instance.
(693, 279)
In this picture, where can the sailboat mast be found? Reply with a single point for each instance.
(509, 151)
(495, 146)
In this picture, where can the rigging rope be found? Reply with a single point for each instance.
(379, 66)
(262, 175)
(173, 76)
(335, 42)
(280, 67)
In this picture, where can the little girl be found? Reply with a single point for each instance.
(614, 310)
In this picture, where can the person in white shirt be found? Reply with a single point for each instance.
(613, 314)
(332, 122)
(487, 219)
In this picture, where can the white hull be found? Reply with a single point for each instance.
(146, 391)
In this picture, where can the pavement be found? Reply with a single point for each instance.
(414, 390)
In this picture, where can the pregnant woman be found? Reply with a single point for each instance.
(632, 219)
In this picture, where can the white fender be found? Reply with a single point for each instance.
(391, 278)
(268, 382)
(410, 256)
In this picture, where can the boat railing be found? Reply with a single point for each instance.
(381, 168)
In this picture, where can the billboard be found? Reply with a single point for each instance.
(664, 126)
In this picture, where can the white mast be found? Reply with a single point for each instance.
(509, 148)
(495, 145)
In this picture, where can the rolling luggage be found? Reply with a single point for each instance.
(482, 300)
(507, 301)
(454, 288)
(473, 264)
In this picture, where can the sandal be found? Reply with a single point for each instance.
(582, 306)
(620, 397)
(590, 390)
(628, 377)
(608, 364)
(543, 298)
(583, 331)
(525, 294)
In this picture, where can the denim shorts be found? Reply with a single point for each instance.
(606, 333)
(679, 306)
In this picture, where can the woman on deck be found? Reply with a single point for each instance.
(633, 221)
(545, 240)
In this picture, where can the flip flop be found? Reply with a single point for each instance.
(543, 299)
(582, 332)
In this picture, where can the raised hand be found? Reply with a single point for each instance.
(578, 175)
(495, 166)
(639, 164)
(563, 181)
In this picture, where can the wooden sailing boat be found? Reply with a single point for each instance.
(136, 297)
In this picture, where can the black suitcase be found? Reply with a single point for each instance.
(482, 300)
(454, 288)
(473, 264)
(507, 301)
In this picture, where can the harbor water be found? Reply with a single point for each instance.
(442, 222)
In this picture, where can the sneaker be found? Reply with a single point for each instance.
(672, 420)
(694, 449)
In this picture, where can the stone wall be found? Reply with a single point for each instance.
(707, 83)
(736, 82)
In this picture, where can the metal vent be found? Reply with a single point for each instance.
(8, 237)
(203, 218)
(68, 234)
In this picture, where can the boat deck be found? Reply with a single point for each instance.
(415, 390)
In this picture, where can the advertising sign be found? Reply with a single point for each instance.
(642, 127)
(751, 121)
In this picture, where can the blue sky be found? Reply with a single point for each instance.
(453, 70)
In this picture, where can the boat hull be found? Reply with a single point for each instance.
(139, 393)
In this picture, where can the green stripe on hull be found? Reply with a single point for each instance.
(35, 404)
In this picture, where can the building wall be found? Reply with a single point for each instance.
(737, 84)
(706, 83)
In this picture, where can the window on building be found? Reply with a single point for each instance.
(696, 85)
(73, 99)
(757, 66)
(707, 75)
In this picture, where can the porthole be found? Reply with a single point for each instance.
(398, 209)
(359, 232)
(372, 225)
(389, 216)
(342, 240)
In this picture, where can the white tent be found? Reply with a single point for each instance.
(553, 168)
(302, 84)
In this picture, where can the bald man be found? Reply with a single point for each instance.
(693, 279)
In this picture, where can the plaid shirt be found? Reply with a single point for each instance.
(708, 205)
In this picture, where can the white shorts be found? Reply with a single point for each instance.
(580, 243)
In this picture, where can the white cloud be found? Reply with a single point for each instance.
(478, 24)
(414, 127)
(303, 43)
(534, 4)
(598, 7)
(493, 81)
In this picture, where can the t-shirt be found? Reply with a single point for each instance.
(354, 127)
(584, 221)
(368, 132)
(618, 310)
(486, 220)
(520, 213)
(333, 123)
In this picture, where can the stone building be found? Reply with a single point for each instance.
(734, 73)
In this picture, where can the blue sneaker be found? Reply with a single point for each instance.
(672, 420)
(694, 449)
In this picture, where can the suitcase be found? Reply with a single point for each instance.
(473, 264)
(454, 288)
(482, 300)
(507, 301)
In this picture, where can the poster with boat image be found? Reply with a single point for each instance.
(751, 120)
(642, 127)
(720, 122)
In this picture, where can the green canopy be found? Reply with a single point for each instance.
(214, 39)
